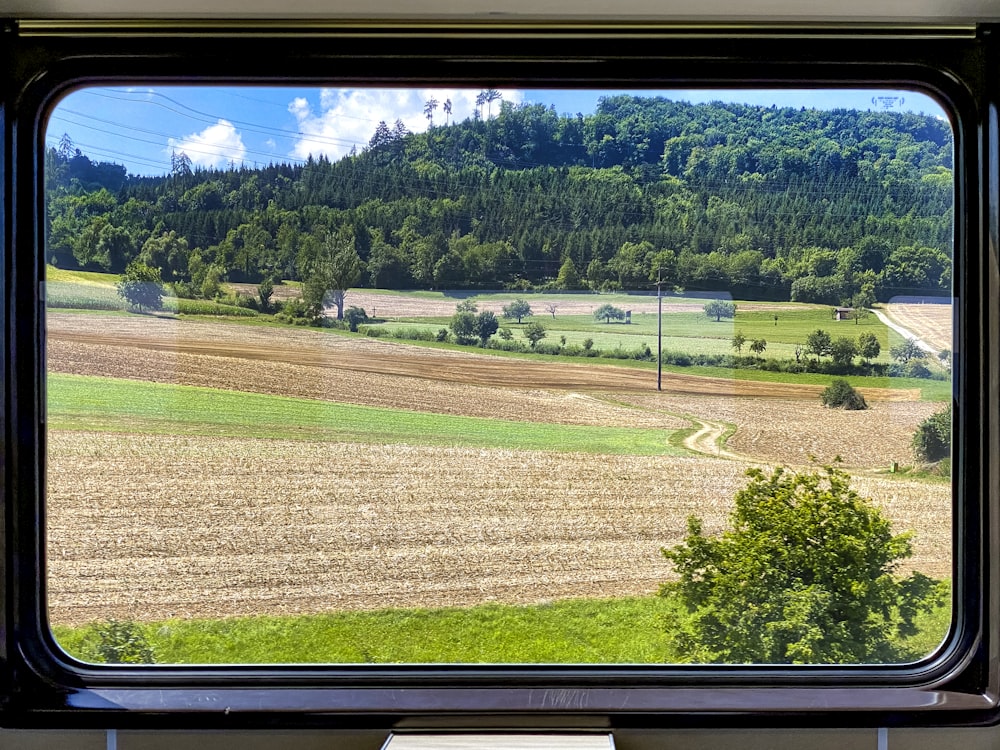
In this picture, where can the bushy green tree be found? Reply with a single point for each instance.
(719, 309)
(906, 351)
(843, 350)
(337, 269)
(932, 440)
(607, 312)
(141, 286)
(819, 342)
(534, 332)
(463, 325)
(265, 290)
(486, 325)
(841, 395)
(569, 276)
(805, 574)
(738, 341)
(519, 309)
(868, 346)
(355, 316)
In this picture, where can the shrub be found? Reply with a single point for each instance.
(841, 395)
(932, 440)
(547, 348)
(917, 369)
(141, 286)
(120, 642)
(442, 335)
(355, 316)
(804, 574)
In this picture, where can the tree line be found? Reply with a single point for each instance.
(763, 202)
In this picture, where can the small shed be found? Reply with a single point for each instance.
(843, 313)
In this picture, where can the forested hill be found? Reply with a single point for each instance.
(765, 202)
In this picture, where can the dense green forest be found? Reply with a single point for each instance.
(763, 202)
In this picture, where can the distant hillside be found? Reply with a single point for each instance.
(764, 202)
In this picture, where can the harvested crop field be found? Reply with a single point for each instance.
(122, 346)
(149, 527)
(929, 321)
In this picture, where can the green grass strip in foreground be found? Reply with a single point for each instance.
(575, 631)
(77, 402)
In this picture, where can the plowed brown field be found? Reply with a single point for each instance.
(150, 527)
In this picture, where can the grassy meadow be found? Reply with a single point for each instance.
(78, 402)
(628, 630)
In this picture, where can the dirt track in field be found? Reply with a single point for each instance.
(151, 527)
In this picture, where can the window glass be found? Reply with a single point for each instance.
(498, 376)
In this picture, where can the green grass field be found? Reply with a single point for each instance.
(78, 402)
(629, 630)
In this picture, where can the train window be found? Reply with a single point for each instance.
(407, 372)
(441, 375)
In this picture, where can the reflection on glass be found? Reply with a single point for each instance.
(379, 376)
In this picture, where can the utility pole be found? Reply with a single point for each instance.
(659, 330)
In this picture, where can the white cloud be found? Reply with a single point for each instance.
(347, 118)
(214, 146)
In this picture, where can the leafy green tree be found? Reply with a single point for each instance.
(862, 302)
(805, 574)
(908, 350)
(519, 309)
(608, 312)
(719, 309)
(868, 346)
(819, 343)
(597, 274)
(843, 350)
(211, 284)
(336, 270)
(141, 287)
(738, 341)
(463, 324)
(841, 395)
(534, 332)
(486, 325)
(265, 290)
(568, 276)
(355, 316)
(758, 346)
(932, 440)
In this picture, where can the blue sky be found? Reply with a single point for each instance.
(141, 126)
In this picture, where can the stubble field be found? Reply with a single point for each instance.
(155, 526)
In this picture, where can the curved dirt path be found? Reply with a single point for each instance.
(707, 440)
(905, 332)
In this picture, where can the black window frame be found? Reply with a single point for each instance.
(960, 685)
